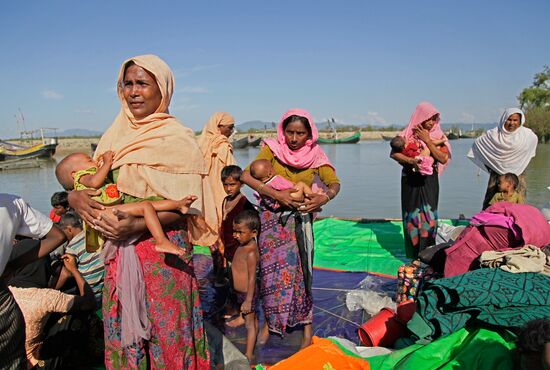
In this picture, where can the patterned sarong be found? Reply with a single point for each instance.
(482, 297)
(12, 332)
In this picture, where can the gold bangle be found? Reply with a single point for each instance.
(260, 188)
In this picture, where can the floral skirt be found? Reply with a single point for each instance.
(283, 293)
(178, 339)
(419, 200)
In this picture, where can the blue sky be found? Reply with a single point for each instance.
(358, 61)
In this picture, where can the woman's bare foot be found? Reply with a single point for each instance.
(185, 203)
(238, 321)
(167, 247)
(263, 336)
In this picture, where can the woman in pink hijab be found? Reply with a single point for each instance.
(420, 193)
(286, 236)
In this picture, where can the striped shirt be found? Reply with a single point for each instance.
(90, 265)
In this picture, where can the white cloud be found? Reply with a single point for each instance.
(192, 90)
(183, 107)
(51, 95)
(371, 118)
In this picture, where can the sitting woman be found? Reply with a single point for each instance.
(29, 287)
(156, 321)
(286, 236)
(508, 147)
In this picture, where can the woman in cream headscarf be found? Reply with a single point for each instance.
(218, 153)
(507, 148)
(155, 156)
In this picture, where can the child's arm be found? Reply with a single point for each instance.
(98, 179)
(252, 264)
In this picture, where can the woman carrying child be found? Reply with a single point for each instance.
(286, 237)
(156, 157)
(507, 148)
(420, 190)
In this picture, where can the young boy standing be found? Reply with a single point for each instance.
(233, 204)
(246, 227)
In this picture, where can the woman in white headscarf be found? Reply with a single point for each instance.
(507, 148)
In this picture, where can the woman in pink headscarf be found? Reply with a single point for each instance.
(286, 237)
(420, 193)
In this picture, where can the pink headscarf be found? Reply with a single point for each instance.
(309, 156)
(423, 112)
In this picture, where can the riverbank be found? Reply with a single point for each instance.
(68, 145)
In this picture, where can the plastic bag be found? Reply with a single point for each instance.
(368, 297)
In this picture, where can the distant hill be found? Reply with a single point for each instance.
(74, 132)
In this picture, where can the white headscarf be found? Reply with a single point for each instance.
(504, 151)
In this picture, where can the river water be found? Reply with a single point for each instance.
(370, 181)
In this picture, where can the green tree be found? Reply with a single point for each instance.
(538, 94)
(535, 101)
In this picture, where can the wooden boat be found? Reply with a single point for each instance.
(46, 148)
(9, 150)
(254, 141)
(452, 136)
(241, 143)
(468, 135)
(353, 139)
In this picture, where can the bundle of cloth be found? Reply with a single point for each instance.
(485, 297)
(501, 227)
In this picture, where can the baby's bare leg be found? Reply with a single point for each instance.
(299, 193)
(147, 211)
(304, 188)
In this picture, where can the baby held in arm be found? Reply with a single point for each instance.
(419, 153)
(262, 170)
(79, 171)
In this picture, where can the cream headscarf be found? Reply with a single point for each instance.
(218, 153)
(504, 151)
(157, 155)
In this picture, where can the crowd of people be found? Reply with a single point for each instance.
(122, 237)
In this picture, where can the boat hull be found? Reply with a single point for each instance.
(37, 151)
(353, 139)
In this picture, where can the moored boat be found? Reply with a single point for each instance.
(254, 141)
(9, 150)
(345, 140)
(240, 143)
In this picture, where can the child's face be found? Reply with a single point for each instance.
(59, 210)
(231, 186)
(504, 185)
(243, 234)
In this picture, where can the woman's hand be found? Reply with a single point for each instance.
(313, 202)
(422, 134)
(81, 201)
(117, 225)
(284, 198)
